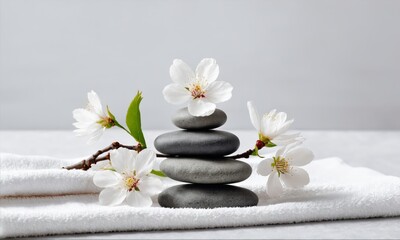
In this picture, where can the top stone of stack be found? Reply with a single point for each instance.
(197, 138)
(183, 119)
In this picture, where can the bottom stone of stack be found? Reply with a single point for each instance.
(206, 196)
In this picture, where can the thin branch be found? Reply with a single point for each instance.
(106, 157)
(246, 154)
(86, 163)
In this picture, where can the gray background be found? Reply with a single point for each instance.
(329, 64)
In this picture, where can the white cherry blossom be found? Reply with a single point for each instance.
(284, 169)
(272, 127)
(92, 121)
(198, 89)
(131, 181)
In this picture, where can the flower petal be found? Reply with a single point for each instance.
(219, 91)
(85, 125)
(88, 130)
(150, 185)
(264, 168)
(117, 161)
(176, 94)
(208, 70)
(96, 135)
(122, 159)
(83, 115)
(254, 116)
(281, 151)
(267, 124)
(285, 142)
(112, 196)
(280, 118)
(106, 178)
(181, 73)
(138, 199)
(200, 108)
(274, 185)
(95, 103)
(100, 165)
(295, 178)
(144, 162)
(285, 126)
(299, 156)
(286, 139)
(287, 136)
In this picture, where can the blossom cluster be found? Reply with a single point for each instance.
(126, 175)
(284, 168)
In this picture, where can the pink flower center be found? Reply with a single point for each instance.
(196, 90)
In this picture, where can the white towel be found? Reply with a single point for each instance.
(336, 191)
(40, 175)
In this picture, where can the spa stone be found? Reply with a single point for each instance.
(206, 171)
(184, 120)
(193, 143)
(206, 196)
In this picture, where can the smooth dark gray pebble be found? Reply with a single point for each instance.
(206, 196)
(184, 120)
(206, 171)
(197, 143)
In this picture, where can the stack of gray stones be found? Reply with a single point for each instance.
(198, 158)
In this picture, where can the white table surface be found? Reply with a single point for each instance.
(373, 149)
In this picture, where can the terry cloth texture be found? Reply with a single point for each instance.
(39, 198)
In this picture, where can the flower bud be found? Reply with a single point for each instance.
(260, 144)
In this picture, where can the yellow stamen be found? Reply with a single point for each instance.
(281, 165)
(106, 122)
(131, 183)
(263, 138)
(196, 90)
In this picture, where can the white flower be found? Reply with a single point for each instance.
(284, 168)
(130, 181)
(91, 121)
(101, 165)
(272, 127)
(199, 89)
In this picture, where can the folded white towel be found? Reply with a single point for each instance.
(40, 175)
(336, 191)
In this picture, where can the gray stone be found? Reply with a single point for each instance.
(206, 171)
(206, 196)
(183, 119)
(197, 143)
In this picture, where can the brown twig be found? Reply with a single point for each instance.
(106, 157)
(86, 163)
(246, 154)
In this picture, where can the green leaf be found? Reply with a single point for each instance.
(133, 120)
(158, 173)
(270, 144)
